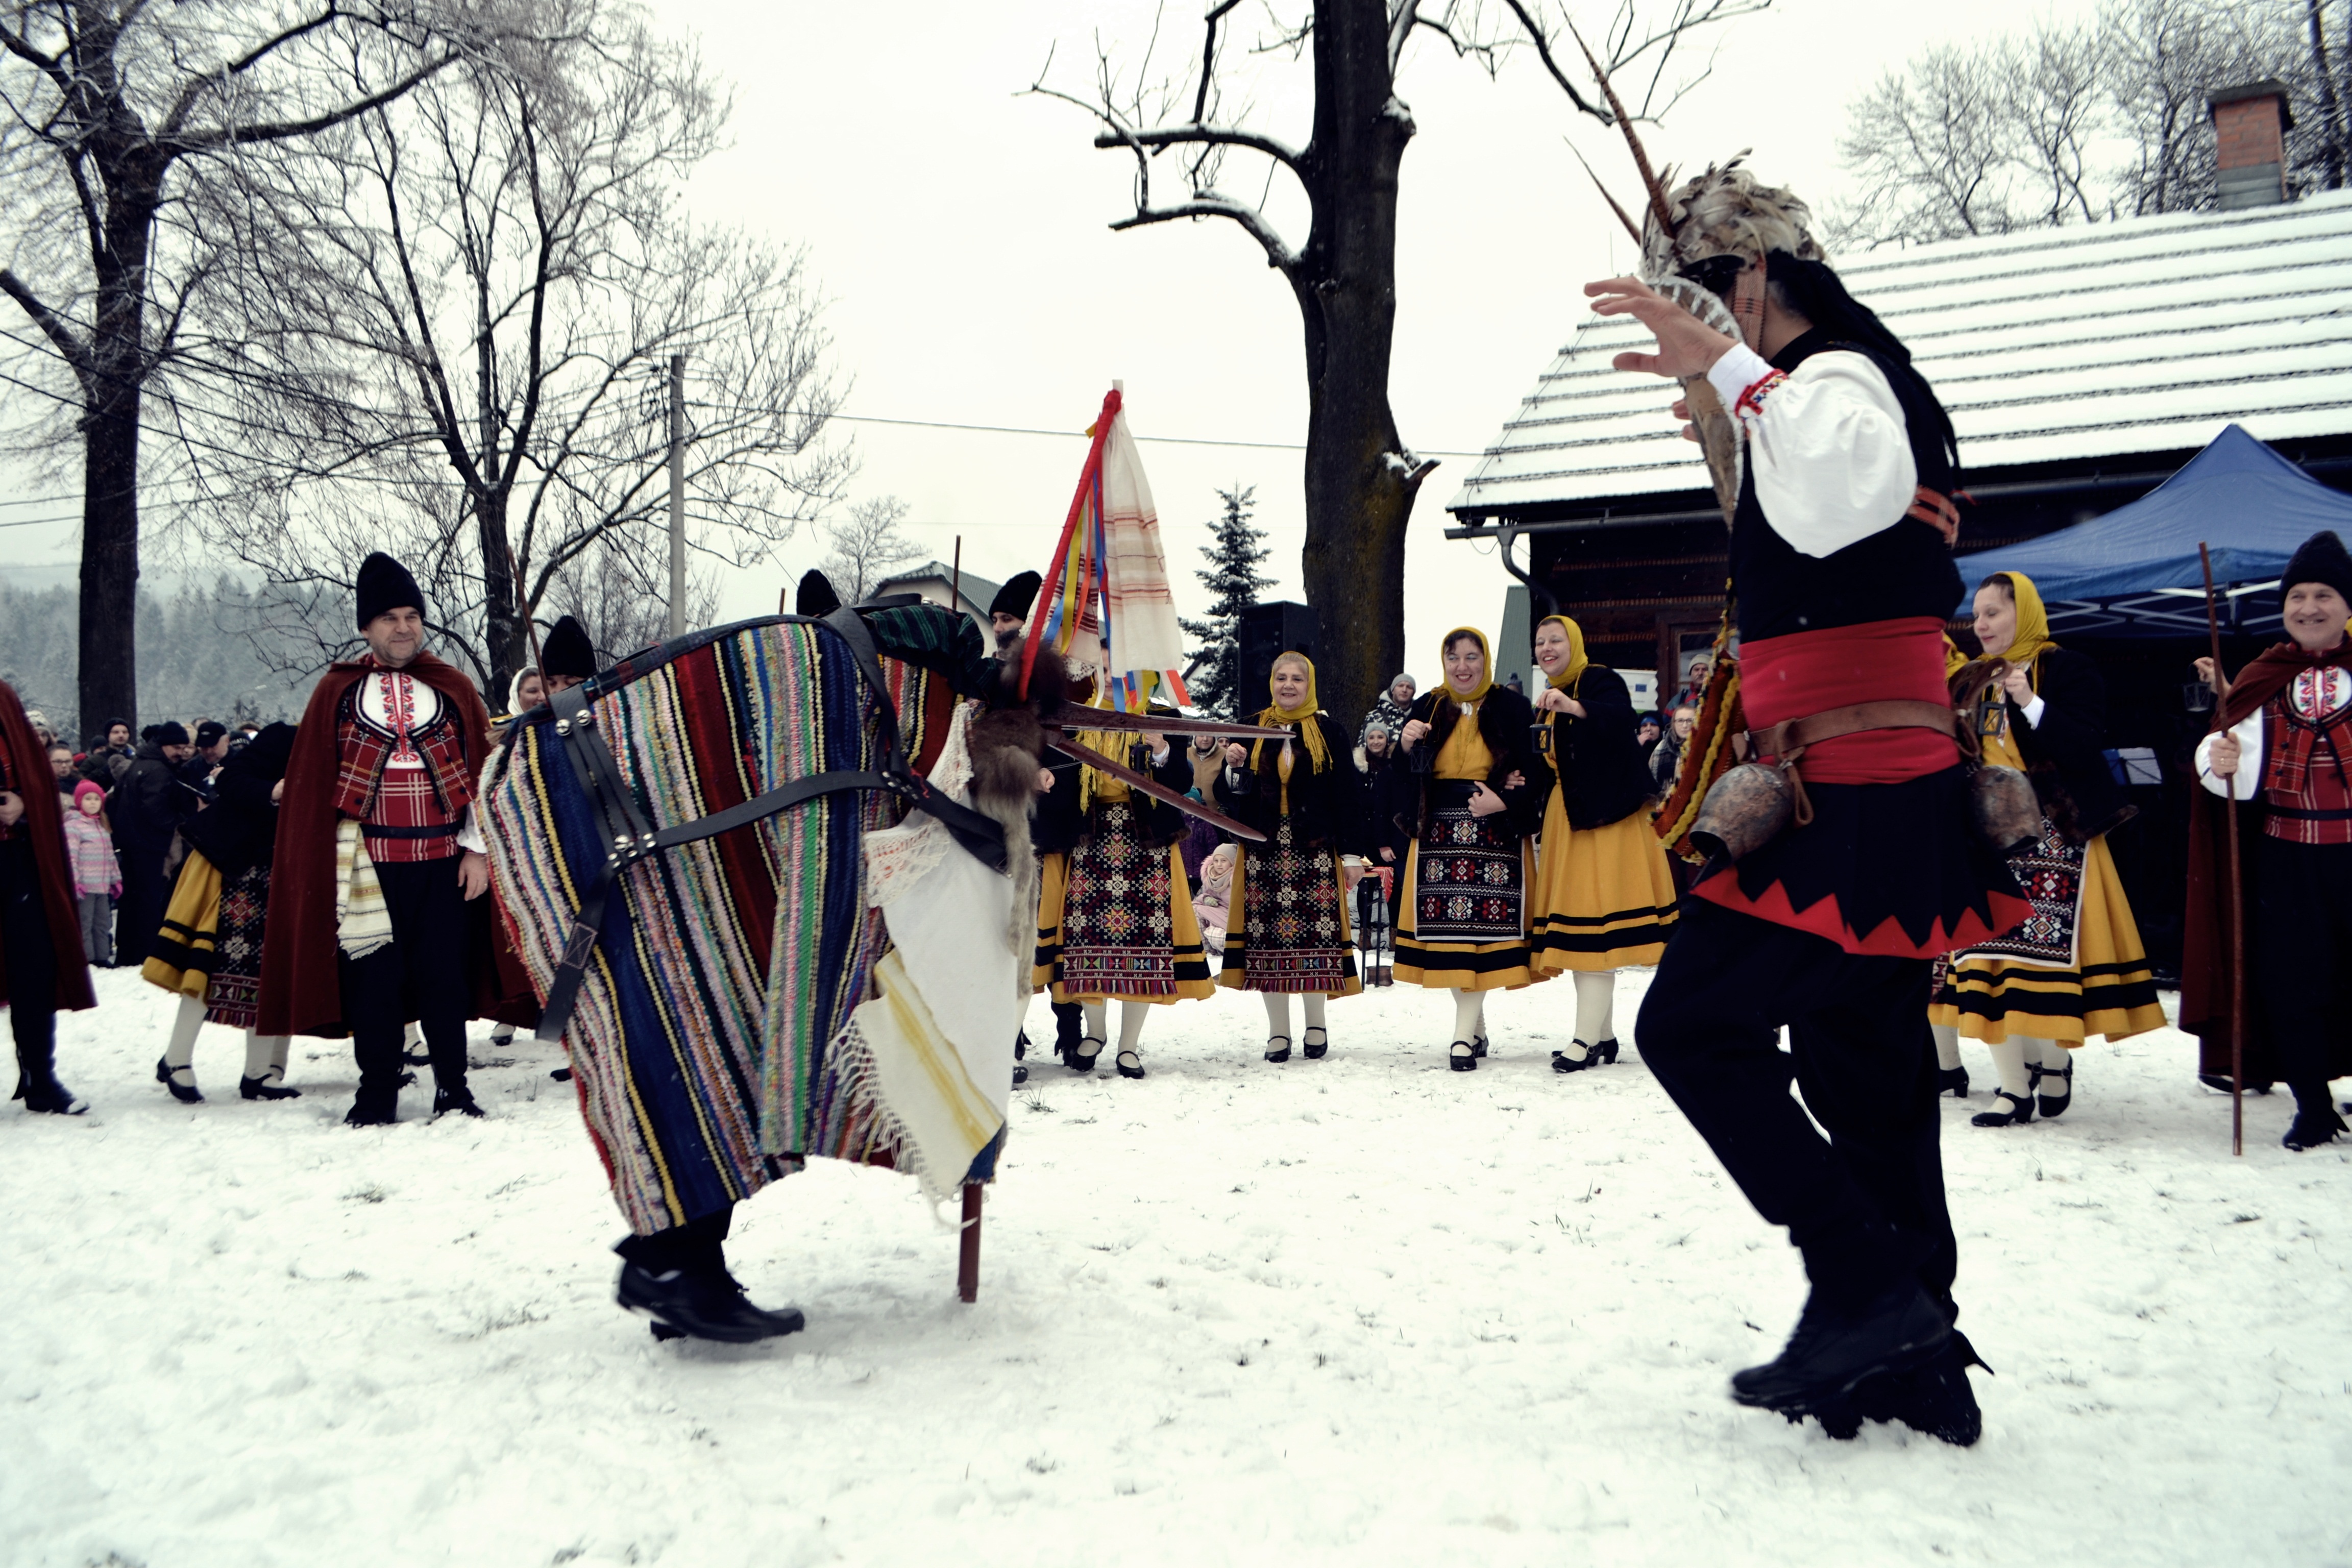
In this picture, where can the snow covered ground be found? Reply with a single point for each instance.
(1360, 1310)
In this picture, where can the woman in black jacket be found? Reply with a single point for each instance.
(209, 949)
(1391, 806)
(1604, 899)
(1463, 919)
(1292, 938)
(2076, 967)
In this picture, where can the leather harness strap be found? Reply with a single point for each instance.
(630, 838)
(1785, 743)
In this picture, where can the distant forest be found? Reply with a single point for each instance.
(205, 653)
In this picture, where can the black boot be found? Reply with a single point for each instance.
(1933, 1397)
(1837, 1345)
(372, 1108)
(2315, 1123)
(459, 1100)
(37, 1085)
(701, 1304)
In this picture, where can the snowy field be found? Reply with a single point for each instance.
(1360, 1310)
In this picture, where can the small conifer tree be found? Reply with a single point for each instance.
(1234, 582)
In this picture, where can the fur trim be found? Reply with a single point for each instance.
(1727, 211)
(1006, 746)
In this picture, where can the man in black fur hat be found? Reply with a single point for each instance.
(567, 657)
(2283, 745)
(1008, 614)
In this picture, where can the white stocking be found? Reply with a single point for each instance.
(1596, 1006)
(1312, 1006)
(1947, 1045)
(1278, 1014)
(2009, 1060)
(1131, 1015)
(264, 1056)
(184, 1025)
(1468, 1009)
(1097, 1016)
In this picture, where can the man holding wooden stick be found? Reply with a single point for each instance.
(2283, 742)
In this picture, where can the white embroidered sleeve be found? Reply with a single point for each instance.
(2239, 786)
(1826, 443)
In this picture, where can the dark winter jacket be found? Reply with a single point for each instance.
(239, 830)
(1325, 806)
(150, 803)
(1602, 778)
(1060, 824)
(2066, 752)
(1392, 803)
(99, 767)
(1506, 721)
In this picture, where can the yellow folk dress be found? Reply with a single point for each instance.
(2108, 990)
(1603, 898)
(1115, 919)
(1473, 884)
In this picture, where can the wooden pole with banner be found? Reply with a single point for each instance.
(2237, 886)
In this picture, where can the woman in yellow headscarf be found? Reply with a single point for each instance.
(1292, 938)
(1462, 923)
(2076, 968)
(1603, 898)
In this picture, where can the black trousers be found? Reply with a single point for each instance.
(139, 916)
(1861, 1054)
(2303, 958)
(421, 975)
(32, 957)
(693, 1246)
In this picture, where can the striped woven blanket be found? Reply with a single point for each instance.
(703, 1040)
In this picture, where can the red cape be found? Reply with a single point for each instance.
(2208, 983)
(301, 990)
(28, 765)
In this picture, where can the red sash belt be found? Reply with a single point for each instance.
(1811, 672)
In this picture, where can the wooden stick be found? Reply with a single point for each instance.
(1151, 786)
(968, 1247)
(955, 580)
(2237, 887)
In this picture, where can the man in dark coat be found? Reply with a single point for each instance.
(2280, 743)
(377, 859)
(149, 806)
(108, 754)
(41, 964)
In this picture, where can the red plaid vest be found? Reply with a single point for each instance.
(403, 775)
(2307, 781)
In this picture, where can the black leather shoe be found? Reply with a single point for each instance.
(1078, 1060)
(1933, 1397)
(1605, 1052)
(263, 1089)
(697, 1306)
(365, 1113)
(562, 1075)
(186, 1093)
(1463, 1056)
(460, 1100)
(1953, 1082)
(1274, 1053)
(2055, 1104)
(1130, 1065)
(1562, 1062)
(1834, 1349)
(2019, 1111)
(1314, 1050)
(1478, 1046)
(2312, 1129)
(1020, 1074)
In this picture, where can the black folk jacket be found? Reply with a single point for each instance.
(1505, 722)
(1602, 776)
(1326, 808)
(2065, 754)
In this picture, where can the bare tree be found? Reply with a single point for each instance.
(864, 547)
(118, 119)
(451, 336)
(2166, 56)
(1361, 478)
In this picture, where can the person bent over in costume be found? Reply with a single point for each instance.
(2077, 968)
(1842, 570)
(1604, 899)
(1464, 922)
(1293, 937)
(2283, 745)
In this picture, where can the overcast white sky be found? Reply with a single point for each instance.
(960, 231)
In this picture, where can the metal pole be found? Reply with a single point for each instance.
(677, 495)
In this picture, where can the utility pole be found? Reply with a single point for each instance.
(677, 495)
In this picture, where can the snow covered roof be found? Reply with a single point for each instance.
(2141, 336)
(977, 592)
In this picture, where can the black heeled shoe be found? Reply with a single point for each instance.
(1078, 1061)
(2019, 1111)
(1605, 1052)
(263, 1087)
(1478, 1045)
(1463, 1056)
(1129, 1064)
(1277, 1056)
(1562, 1062)
(187, 1093)
(2055, 1104)
(1953, 1082)
(1313, 1050)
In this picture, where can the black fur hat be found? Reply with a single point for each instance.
(2320, 559)
(385, 584)
(1016, 598)
(567, 651)
(816, 598)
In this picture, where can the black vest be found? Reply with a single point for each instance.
(1901, 571)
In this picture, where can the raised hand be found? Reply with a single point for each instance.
(1686, 345)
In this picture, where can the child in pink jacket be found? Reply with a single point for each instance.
(97, 876)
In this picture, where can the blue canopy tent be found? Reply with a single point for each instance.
(2134, 574)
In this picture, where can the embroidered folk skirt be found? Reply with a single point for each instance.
(210, 943)
(2076, 968)
(1604, 896)
(1462, 923)
(1115, 918)
(1293, 936)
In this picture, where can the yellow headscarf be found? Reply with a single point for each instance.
(2033, 636)
(1485, 679)
(1576, 659)
(1318, 754)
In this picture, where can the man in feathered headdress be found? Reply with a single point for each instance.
(1844, 463)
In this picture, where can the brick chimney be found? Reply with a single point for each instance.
(2250, 124)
